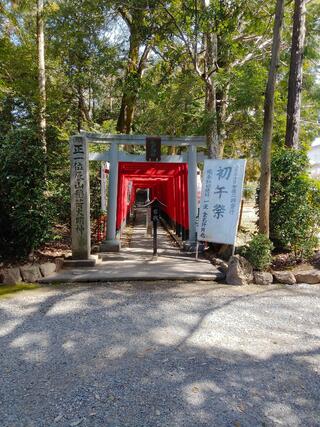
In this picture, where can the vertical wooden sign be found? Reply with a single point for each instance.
(153, 149)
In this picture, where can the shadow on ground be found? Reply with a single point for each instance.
(191, 354)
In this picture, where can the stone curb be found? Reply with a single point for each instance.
(27, 273)
(75, 279)
(240, 272)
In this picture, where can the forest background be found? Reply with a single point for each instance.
(180, 67)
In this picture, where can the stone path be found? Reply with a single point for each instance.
(135, 262)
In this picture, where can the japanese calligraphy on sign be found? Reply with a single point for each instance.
(79, 183)
(220, 200)
(80, 198)
(104, 169)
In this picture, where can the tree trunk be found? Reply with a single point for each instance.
(121, 124)
(83, 108)
(133, 75)
(295, 76)
(130, 113)
(265, 179)
(41, 76)
(221, 108)
(79, 117)
(211, 59)
(212, 137)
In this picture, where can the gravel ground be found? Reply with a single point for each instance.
(155, 354)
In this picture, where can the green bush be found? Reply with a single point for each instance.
(294, 203)
(24, 214)
(258, 252)
(58, 176)
(249, 190)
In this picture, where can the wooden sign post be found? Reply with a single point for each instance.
(153, 149)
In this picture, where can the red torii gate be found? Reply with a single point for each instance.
(167, 181)
(173, 180)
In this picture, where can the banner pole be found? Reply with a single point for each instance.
(197, 250)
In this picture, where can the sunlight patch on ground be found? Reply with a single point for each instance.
(170, 335)
(313, 361)
(8, 327)
(69, 346)
(282, 414)
(196, 393)
(115, 352)
(33, 346)
(73, 304)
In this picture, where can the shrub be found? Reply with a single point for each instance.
(258, 252)
(294, 203)
(249, 191)
(24, 215)
(58, 176)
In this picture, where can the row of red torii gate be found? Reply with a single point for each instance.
(172, 179)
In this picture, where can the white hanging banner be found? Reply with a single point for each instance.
(221, 200)
(105, 167)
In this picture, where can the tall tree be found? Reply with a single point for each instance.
(265, 178)
(41, 75)
(139, 20)
(295, 75)
(201, 44)
(84, 62)
(210, 41)
(218, 37)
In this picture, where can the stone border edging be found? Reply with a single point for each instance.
(28, 273)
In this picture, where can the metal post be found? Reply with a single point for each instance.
(148, 222)
(112, 244)
(155, 213)
(155, 238)
(192, 191)
(197, 250)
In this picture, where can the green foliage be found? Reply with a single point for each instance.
(87, 51)
(295, 203)
(173, 106)
(24, 213)
(249, 190)
(95, 190)
(58, 176)
(258, 252)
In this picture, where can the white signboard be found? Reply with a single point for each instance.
(105, 167)
(221, 200)
(199, 187)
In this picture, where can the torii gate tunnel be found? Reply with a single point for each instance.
(173, 180)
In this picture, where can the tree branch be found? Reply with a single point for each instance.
(185, 41)
(125, 16)
(144, 58)
(252, 55)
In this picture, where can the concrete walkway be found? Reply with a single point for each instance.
(135, 261)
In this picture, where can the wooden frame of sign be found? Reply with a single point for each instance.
(153, 149)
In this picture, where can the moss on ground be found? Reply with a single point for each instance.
(7, 290)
